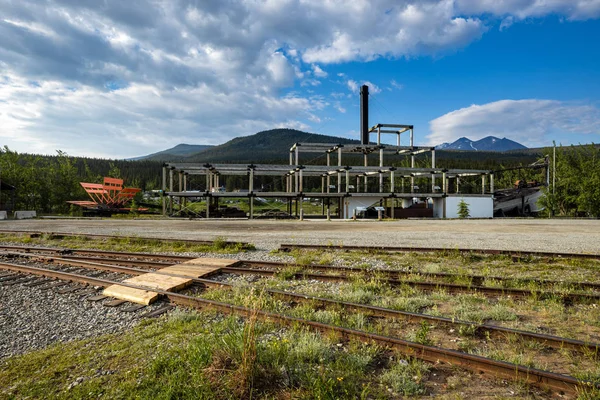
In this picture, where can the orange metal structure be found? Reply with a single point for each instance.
(109, 195)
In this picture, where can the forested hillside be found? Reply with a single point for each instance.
(45, 183)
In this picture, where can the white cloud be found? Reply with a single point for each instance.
(319, 73)
(521, 9)
(525, 121)
(122, 78)
(396, 85)
(338, 106)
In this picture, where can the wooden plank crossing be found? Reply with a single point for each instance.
(172, 278)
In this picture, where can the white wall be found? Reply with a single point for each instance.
(479, 207)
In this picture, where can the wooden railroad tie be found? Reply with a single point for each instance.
(172, 278)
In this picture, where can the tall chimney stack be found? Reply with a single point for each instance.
(364, 114)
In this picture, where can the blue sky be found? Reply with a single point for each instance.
(120, 79)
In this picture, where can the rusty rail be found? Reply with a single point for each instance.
(394, 274)
(549, 340)
(516, 253)
(450, 287)
(482, 365)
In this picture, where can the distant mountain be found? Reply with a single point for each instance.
(490, 143)
(175, 153)
(264, 147)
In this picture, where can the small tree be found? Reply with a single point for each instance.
(463, 209)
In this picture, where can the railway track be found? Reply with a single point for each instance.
(399, 249)
(481, 329)
(560, 383)
(391, 277)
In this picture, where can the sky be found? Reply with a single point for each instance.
(119, 79)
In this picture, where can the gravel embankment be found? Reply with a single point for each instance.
(32, 318)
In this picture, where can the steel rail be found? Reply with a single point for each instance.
(500, 369)
(549, 340)
(394, 274)
(103, 253)
(450, 287)
(60, 235)
(517, 253)
(476, 280)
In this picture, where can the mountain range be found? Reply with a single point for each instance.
(273, 146)
(489, 143)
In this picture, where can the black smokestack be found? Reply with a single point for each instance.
(364, 114)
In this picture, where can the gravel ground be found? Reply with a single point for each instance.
(31, 318)
(561, 235)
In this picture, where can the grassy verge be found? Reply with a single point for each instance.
(208, 356)
(128, 244)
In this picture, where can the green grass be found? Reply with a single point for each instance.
(130, 244)
(202, 355)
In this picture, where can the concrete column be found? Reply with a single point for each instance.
(322, 184)
(378, 135)
(300, 179)
(297, 162)
(366, 162)
(339, 181)
(185, 176)
(492, 183)
(170, 190)
(392, 183)
(180, 187)
(251, 183)
(483, 184)
(380, 174)
(433, 174)
(291, 158)
(251, 201)
(296, 182)
(444, 184)
(412, 165)
(164, 189)
(347, 181)
(357, 183)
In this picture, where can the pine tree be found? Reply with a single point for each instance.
(463, 209)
